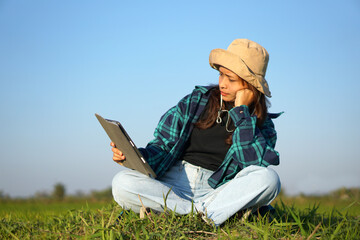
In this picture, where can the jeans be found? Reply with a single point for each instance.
(186, 187)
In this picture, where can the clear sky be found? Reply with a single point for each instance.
(63, 61)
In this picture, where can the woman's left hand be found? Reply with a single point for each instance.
(244, 97)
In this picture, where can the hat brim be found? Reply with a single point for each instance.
(220, 57)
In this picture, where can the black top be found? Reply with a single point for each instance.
(207, 147)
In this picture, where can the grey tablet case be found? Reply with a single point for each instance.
(123, 142)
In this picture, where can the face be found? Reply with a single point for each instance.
(230, 84)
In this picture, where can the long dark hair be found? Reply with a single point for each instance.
(259, 106)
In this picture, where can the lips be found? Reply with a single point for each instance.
(224, 94)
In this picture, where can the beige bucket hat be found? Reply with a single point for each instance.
(247, 59)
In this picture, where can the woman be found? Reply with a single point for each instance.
(211, 151)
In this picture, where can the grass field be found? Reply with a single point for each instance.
(295, 218)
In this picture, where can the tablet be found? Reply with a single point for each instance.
(118, 135)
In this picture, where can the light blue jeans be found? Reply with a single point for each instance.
(187, 187)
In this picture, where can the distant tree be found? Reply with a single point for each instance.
(59, 191)
(105, 194)
(346, 193)
(3, 196)
(79, 194)
(42, 195)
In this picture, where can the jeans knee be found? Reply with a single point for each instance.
(121, 184)
(263, 177)
(272, 181)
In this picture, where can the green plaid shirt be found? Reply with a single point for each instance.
(251, 145)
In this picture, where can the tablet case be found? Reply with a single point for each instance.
(123, 142)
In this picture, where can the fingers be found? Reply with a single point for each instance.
(244, 91)
(244, 97)
(118, 156)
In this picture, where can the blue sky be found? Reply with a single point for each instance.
(63, 61)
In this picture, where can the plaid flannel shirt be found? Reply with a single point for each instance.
(251, 145)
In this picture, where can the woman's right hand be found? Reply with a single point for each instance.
(244, 97)
(118, 156)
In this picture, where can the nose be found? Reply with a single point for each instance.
(222, 82)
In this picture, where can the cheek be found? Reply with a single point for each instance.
(237, 88)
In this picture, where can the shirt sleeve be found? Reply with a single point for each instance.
(251, 146)
(166, 135)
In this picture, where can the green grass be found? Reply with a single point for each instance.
(305, 218)
(32, 209)
(349, 206)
